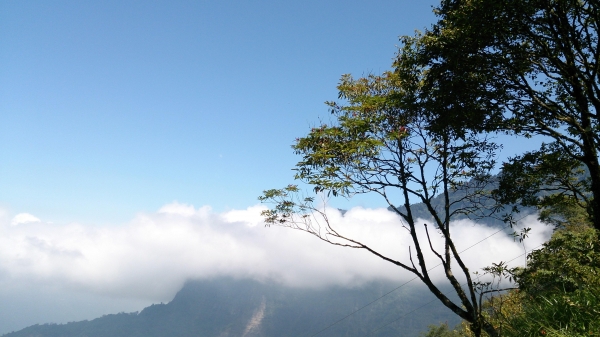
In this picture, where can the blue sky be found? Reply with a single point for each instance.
(115, 107)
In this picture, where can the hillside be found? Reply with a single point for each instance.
(419, 210)
(226, 307)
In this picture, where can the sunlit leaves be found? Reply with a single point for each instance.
(559, 289)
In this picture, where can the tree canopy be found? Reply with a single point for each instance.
(426, 129)
(559, 289)
(529, 68)
(558, 294)
(381, 142)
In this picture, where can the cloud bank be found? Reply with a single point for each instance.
(154, 254)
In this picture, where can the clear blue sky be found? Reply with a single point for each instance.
(109, 108)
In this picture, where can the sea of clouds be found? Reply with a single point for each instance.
(151, 257)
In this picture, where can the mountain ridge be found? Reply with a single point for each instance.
(226, 307)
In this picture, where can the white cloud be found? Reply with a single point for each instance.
(177, 208)
(153, 255)
(250, 216)
(23, 218)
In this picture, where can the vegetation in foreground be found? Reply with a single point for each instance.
(558, 292)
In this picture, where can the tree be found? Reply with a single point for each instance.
(382, 142)
(559, 289)
(442, 330)
(524, 67)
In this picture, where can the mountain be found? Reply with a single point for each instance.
(244, 308)
(457, 198)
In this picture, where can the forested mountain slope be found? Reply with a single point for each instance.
(226, 307)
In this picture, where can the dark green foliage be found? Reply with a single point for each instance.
(569, 261)
(559, 289)
(561, 313)
(550, 180)
(523, 67)
(442, 330)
